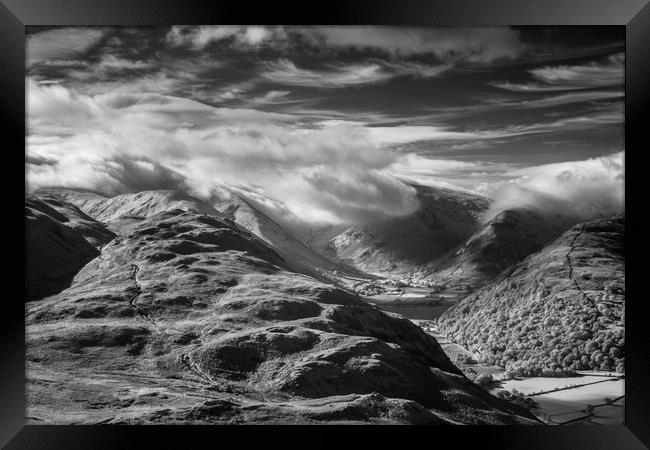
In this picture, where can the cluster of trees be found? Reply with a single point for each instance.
(465, 361)
(535, 331)
(484, 379)
(518, 398)
(370, 289)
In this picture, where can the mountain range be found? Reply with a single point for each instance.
(186, 317)
(159, 307)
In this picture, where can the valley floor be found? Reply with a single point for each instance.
(566, 400)
(561, 400)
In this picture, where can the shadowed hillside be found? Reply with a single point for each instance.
(60, 240)
(404, 244)
(505, 239)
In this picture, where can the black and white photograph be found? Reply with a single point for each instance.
(259, 224)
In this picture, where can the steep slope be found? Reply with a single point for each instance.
(404, 244)
(95, 232)
(140, 204)
(185, 318)
(560, 309)
(300, 257)
(505, 239)
(54, 252)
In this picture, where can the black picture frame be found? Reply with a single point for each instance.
(634, 15)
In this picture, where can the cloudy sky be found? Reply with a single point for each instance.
(331, 124)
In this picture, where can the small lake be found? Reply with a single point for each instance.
(412, 304)
(416, 312)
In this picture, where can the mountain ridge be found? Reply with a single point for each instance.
(505, 239)
(403, 244)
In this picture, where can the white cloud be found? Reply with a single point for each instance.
(199, 37)
(113, 63)
(350, 194)
(338, 172)
(414, 69)
(604, 73)
(612, 115)
(580, 189)
(607, 72)
(527, 87)
(287, 73)
(256, 35)
(338, 76)
(405, 134)
(415, 165)
(444, 173)
(110, 73)
(64, 63)
(595, 74)
(271, 97)
(399, 135)
(125, 142)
